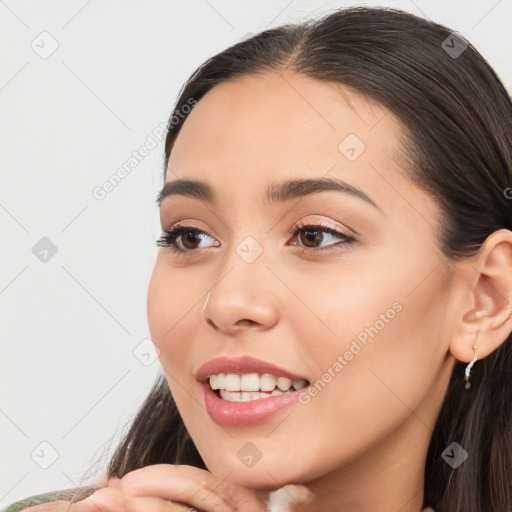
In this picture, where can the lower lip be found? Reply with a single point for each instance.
(253, 412)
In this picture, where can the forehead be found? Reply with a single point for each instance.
(247, 132)
(286, 114)
(282, 111)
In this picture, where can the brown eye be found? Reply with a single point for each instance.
(311, 236)
(189, 236)
(190, 239)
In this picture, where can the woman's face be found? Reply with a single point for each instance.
(366, 320)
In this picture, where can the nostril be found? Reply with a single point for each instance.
(247, 322)
(210, 322)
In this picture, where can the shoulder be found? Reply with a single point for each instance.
(53, 501)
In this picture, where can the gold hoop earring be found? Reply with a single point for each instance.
(467, 385)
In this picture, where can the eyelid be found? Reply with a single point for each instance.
(349, 233)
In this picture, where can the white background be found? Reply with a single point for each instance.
(69, 327)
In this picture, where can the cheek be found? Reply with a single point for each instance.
(383, 301)
(172, 309)
(171, 304)
(158, 307)
(352, 303)
(386, 319)
(389, 339)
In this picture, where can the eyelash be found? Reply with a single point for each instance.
(168, 238)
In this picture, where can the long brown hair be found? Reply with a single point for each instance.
(458, 117)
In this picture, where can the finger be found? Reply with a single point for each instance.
(102, 500)
(107, 502)
(156, 505)
(193, 486)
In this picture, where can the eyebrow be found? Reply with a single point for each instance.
(275, 193)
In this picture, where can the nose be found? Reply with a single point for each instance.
(242, 299)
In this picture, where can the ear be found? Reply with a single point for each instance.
(487, 321)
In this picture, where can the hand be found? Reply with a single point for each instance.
(170, 488)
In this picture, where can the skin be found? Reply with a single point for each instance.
(359, 444)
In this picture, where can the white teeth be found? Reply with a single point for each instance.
(247, 396)
(252, 382)
(221, 381)
(232, 382)
(284, 383)
(267, 382)
(298, 384)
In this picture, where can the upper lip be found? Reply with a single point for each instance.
(242, 364)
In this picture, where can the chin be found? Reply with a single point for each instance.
(263, 484)
(261, 478)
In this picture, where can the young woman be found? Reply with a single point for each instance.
(332, 294)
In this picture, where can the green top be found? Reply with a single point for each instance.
(72, 495)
